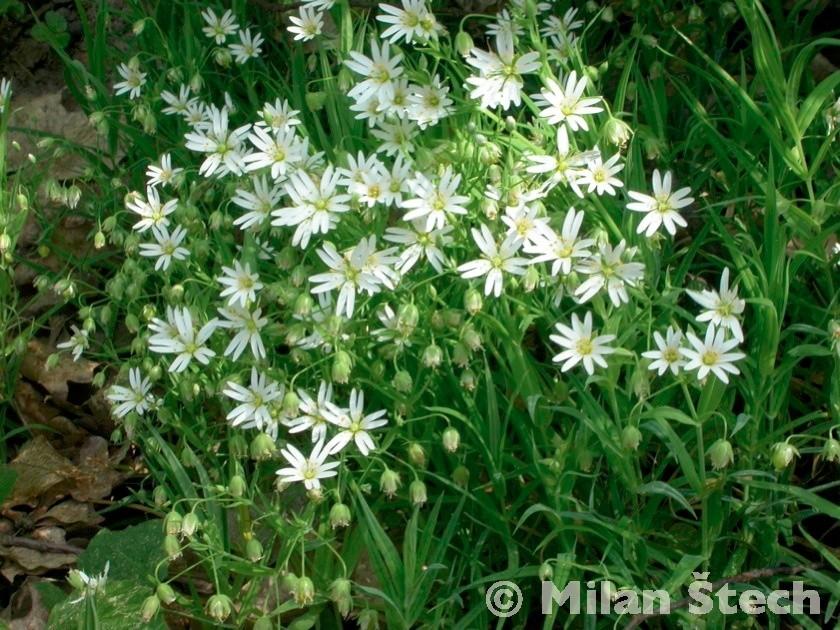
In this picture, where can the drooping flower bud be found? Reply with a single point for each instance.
(304, 591)
(390, 482)
(165, 593)
(254, 550)
(631, 437)
(432, 356)
(417, 493)
(416, 454)
(464, 43)
(219, 607)
(342, 367)
(472, 301)
(339, 516)
(403, 382)
(190, 524)
(782, 454)
(150, 608)
(237, 486)
(451, 439)
(340, 594)
(721, 454)
(831, 450)
(461, 476)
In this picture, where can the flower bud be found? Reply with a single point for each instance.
(237, 446)
(417, 493)
(160, 497)
(339, 516)
(617, 132)
(368, 619)
(630, 437)
(237, 486)
(253, 550)
(315, 100)
(304, 591)
(831, 450)
(416, 454)
(546, 572)
(468, 380)
(165, 593)
(291, 403)
(721, 455)
(451, 439)
(389, 482)
(340, 595)
(342, 367)
(222, 57)
(407, 318)
(303, 305)
(461, 476)
(190, 524)
(432, 356)
(461, 355)
(728, 10)
(219, 607)
(172, 523)
(464, 43)
(171, 547)
(782, 454)
(150, 608)
(471, 338)
(472, 301)
(403, 382)
(74, 578)
(531, 279)
(695, 14)
(262, 447)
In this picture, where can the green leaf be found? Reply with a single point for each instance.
(117, 607)
(7, 482)
(666, 490)
(133, 552)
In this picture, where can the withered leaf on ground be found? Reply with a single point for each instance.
(33, 411)
(40, 469)
(55, 379)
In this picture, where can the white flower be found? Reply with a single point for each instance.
(504, 26)
(260, 203)
(241, 284)
(279, 116)
(722, 307)
(315, 205)
(179, 104)
(372, 187)
(499, 82)
(219, 28)
(561, 251)
(133, 80)
(152, 212)
(347, 273)
(567, 104)
(166, 248)
(559, 30)
(565, 166)
(661, 208)
(134, 398)
(712, 354)
(428, 104)
(522, 221)
(354, 424)
(197, 115)
(419, 243)
(254, 409)
(247, 325)
(224, 147)
(307, 25)
(433, 201)
(668, 355)
(91, 584)
(163, 174)
(78, 342)
(379, 72)
(607, 270)
(495, 261)
(247, 48)
(313, 412)
(278, 150)
(600, 176)
(310, 470)
(580, 345)
(318, 5)
(177, 335)
(371, 110)
(396, 137)
(412, 21)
